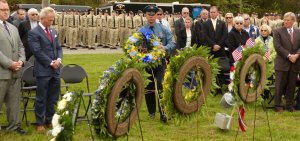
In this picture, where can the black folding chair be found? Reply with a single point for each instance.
(28, 83)
(72, 74)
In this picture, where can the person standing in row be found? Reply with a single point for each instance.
(45, 47)
(12, 58)
(104, 29)
(123, 28)
(129, 24)
(98, 28)
(113, 26)
(25, 27)
(91, 36)
(287, 64)
(73, 22)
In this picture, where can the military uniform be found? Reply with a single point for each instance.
(61, 28)
(91, 36)
(98, 29)
(84, 30)
(122, 30)
(66, 28)
(73, 21)
(104, 31)
(130, 25)
(55, 22)
(113, 26)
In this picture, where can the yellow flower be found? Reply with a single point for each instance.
(136, 35)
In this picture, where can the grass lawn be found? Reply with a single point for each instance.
(284, 126)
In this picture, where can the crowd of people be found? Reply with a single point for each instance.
(43, 33)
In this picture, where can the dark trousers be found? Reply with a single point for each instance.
(285, 84)
(48, 90)
(150, 94)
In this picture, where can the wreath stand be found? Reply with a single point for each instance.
(255, 107)
(138, 115)
(76, 112)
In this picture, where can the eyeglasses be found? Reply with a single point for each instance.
(264, 30)
(239, 23)
(4, 10)
(246, 19)
(33, 14)
(186, 12)
(228, 17)
(159, 14)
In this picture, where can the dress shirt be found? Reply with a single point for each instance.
(33, 24)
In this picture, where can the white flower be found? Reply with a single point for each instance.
(66, 113)
(55, 120)
(62, 104)
(68, 96)
(56, 130)
(53, 139)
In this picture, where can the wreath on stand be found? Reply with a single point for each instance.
(180, 104)
(251, 73)
(62, 121)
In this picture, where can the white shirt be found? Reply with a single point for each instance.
(33, 24)
(164, 22)
(214, 22)
(188, 38)
(290, 30)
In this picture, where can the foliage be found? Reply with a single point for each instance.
(63, 129)
(256, 49)
(172, 74)
(107, 82)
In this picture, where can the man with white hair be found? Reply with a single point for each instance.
(287, 64)
(48, 55)
(24, 28)
(179, 24)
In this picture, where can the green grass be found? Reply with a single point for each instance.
(284, 126)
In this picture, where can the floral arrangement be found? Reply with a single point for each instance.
(172, 74)
(107, 81)
(234, 85)
(63, 129)
(145, 47)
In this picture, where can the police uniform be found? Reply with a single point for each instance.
(165, 35)
(113, 26)
(104, 29)
(91, 36)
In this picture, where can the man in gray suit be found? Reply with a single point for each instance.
(12, 58)
(43, 42)
(287, 64)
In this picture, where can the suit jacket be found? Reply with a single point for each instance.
(24, 28)
(284, 47)
(200, 38)
(217, 37)
(44, 51)
(179, 25)
(182, 38)
(11, 49)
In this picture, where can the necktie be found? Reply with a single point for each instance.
(142, 20)
(114, 23)
(291, 34)
(151, 28)
(48, 34)
(160, 22)
(132, 22)
(5, 26)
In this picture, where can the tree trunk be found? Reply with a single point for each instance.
(45, 3)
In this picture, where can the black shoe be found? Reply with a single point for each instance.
(163, 118)
(20, 131)
(151, 116)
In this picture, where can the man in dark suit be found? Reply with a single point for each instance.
(179, 24)
(215, 32)
(24, 28)
(12, 58)
(48, 54)
(287, 64)
(200, 39)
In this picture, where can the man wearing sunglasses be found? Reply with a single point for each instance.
(24, 28)
(251, 29)
(179, 24)
(161, 20)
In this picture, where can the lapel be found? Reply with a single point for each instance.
(7, 35)
(28, 25)
(211, 25)
(217, 25)
(286, 34)
(42, 31)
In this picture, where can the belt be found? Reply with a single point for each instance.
(113, 28)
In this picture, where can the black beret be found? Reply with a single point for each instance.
(152, 9)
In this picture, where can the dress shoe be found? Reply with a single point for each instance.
(278, 109)
(163, 118)
(20, 131)
(291, 109)
(151, 116)
(50, 126)
(40, 129)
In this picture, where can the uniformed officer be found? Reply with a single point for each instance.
(130, 24)
(104, 29)
(123, 28)
(55, 22)
(73, 21)
(113, 26)
(67, 22)
(98, 28)
(165, 35)
(91, 36)
(61, 27)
